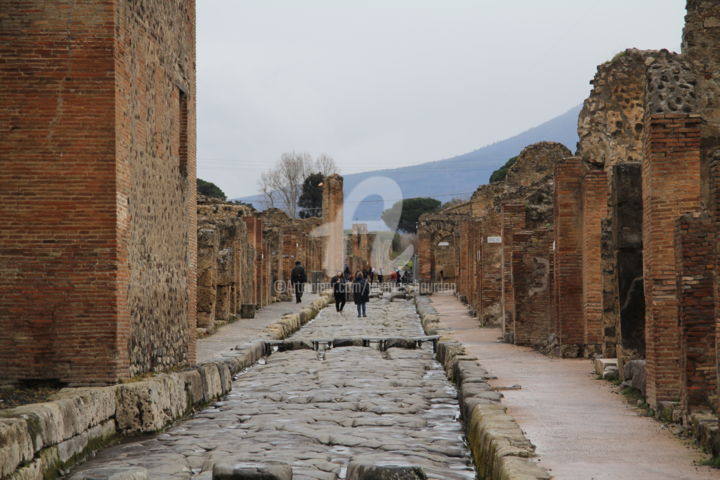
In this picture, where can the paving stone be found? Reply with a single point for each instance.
(252, 471)
(318, 416)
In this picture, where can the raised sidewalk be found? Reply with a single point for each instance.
(582, 430)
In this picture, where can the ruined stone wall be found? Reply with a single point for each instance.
(489, 270)
(435, 258)
(101, 130)
(695, 239)
(245, 259)
(226, 263)
(610, 127)
(625, 288)
(359, 248)
(532, 171)
(671, 187)
(610, 124)
(532, 266)
(701, 49)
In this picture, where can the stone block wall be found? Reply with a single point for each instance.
(490, 271)
(98, 225)
(695, 240)
(625, 307)
(532, 265)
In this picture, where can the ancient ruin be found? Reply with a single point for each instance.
(611, 252)
(97, 230)
(113, 271)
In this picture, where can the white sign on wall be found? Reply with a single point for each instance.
(494, 239)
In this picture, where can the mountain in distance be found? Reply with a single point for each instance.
(456, 177)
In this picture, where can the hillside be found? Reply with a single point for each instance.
(455, 177)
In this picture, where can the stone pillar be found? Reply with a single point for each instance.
(333, 224)
(568, 257)
(464, 266)
(595, 201)
(513, 220)
(490, 266)
(254, 234)
(207, 272)
(671, 187)
(532, 286)
(425, 255)
(695, 239)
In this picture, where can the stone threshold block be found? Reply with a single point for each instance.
(113, 473)
(252, 471)
(384, 471)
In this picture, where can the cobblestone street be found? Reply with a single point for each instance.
(357, 404)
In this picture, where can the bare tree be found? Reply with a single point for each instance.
(281, 185)
(266, 183)
(287, 177)
(326, 165)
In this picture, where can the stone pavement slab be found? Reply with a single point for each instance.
(384, 407)
(581, 428)
(244, 330)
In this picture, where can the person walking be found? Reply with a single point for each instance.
(380, 275)
(298, 279)
(338, 286)
(361, 293)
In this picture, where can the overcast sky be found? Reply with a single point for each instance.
(388, 83)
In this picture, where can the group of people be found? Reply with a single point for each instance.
(359, 288)
(345, 285)
(342, 286)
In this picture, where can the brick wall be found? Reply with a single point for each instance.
(671, 187)
(98, 219)
(533, 286)
(568, 256)
(513, 220)
(594, 202)
(695, 241)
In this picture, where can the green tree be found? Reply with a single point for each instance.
(310, 201)
(408, 211)
(209, 189)
(500, 174)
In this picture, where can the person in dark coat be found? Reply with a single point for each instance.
(298, 279)
(361, 293)
(348, 275)
(339, 291)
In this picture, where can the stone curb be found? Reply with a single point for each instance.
(40, 440)
(499, 447)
